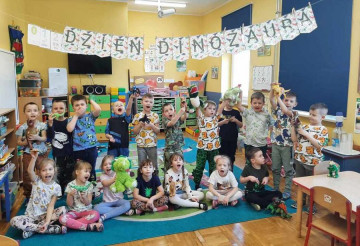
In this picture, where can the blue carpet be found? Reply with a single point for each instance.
(117, 231)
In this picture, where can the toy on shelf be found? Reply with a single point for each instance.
(232, 95)
(123, 180)
(333, 170)
(278, 207)
(278, 91)
(175, 86)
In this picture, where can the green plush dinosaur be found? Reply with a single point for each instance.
(123, 180)
(232, 95)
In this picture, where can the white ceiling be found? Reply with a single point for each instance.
(193, 7)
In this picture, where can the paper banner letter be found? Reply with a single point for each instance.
(164, 49)
(252, 37)
(45, 38)
(103, 45)
(87, 42)
(71, 39)
(216, 44)
(34, 35)
(288, 27)
(119, 47)
(233, 41)
(136, 48)
(270, 32)
(181, 49)
(56, 41)
(306, 20)
(199, 47)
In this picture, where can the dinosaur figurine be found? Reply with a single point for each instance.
(134, 90)
(333, 170)
(232, 95)
(145, 119)
(278, 207)
(82, 188)
(278, 90)
(31, 130)
(56, 115)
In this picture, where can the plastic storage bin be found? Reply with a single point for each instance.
(29, 91)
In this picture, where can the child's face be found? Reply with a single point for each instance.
(80, 106)
(290, 102)
(47, 173)
(147, 103)
(210, 110)
(222, 167)
(118, 108)
(257, 104)
(169, 111)
(58, 107)
(258, 158)
(315, 117)
(31, 112)
(227, 105)
(107, 166)
(177, 164)
(147, 170)
(83, 174)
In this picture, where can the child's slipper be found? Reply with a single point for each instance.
(95, 227)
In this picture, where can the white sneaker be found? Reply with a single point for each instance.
(27, 234)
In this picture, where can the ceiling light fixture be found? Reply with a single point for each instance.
(162, 4)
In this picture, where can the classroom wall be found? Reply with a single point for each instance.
(151, 26)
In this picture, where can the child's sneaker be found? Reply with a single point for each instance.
(130, 212)
(256, 206)
(27, 234)
(203, 206)
(102, 218)
(214, 204)
(286, 195)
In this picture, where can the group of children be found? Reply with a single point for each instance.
(74, 150)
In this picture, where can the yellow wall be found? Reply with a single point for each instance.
(151, 26)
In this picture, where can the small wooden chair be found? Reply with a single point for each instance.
(331, 224)
(322, 168)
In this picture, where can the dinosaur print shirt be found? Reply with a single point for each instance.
(209, 136)
(40, 198)
(282, 129)
(148, 189)
(108, 195)
(84, 135)
(177, 183)
(305, 152)
(146, 137)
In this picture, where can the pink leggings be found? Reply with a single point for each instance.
(79, 220)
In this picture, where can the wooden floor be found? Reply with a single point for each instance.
(269, 231)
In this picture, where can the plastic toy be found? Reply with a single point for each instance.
(232, 95)
(145, 119)
(278, 90)
(56, 115)
(333, 170)
(82, 188)
(123, 180)
(278, 207)
(134, 90)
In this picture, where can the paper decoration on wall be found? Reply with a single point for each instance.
(270, 32)
(262, 77)
(288, 27)
(233, 41)
(306, 20)
(45, 38)
(119, 47)
(164, 49)
(252, 37)
(71, 39)
(103, 44)
(135, 48)
(216, 44)
(16, 46)
(181, 49)
(199, 47)
(87, 40)
(34, 35)
(153, 63)
(56, 41)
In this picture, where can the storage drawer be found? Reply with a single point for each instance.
(192, 115)
(104, 115)
(101, 137)
(100, 129)
(191, 122)
(102, 99)
(101, 122)
(103, 107)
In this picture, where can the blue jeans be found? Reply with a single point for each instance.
(118, 152)
(113, 209)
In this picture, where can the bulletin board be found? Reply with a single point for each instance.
(262, 77)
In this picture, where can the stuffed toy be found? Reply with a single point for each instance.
(194, 101)
(278, 207)
(145, 119)
(172, 190)
(232, 95)
(31, 130)
(278, 90)
(123, 180)
(333, 170)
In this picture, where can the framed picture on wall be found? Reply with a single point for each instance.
(214, 72)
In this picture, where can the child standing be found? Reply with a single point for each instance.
(282, 143)
(310, 140)
(117, 128)
(229, 131)
(31, 135)
(256, 176)
(83, 129)
(178, 187)
(113, 204)
(79, 197)
(61, 142)
(149, 193)
(223, 186)
(208, 142)
(257, 123)
(40, 212)
(174, 138)
(146, 126)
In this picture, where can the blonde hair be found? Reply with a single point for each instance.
(105, 159)
(43, 163)
(208, 103)
(80, 164)
(222, 157)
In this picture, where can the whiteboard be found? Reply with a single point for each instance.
(262, 77)
(8, 84)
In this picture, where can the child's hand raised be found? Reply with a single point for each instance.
(34, 153)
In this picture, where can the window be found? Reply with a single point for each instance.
(240, 72)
